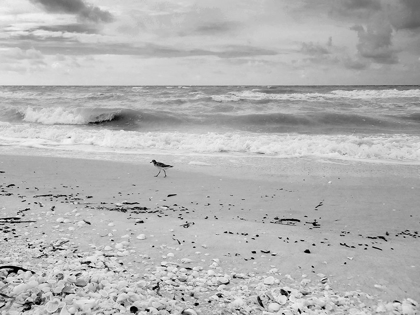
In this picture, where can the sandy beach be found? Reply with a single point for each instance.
(213, 237)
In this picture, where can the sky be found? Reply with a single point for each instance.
(209, 42)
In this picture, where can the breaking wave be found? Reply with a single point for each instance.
(126, 119)
(398, 147)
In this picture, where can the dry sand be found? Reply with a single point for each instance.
(355, 224)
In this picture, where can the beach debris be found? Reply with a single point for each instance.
(96, 283)
(187, 224)
(188, 311)
(15, 269)
(321, 203)
(290, 221)
(15, 220)
(141, 237)
(377, 237)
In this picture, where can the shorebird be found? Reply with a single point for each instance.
(161, 166)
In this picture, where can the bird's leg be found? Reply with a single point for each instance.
(164, 172)
(157, 174)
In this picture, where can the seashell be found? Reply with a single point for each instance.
(20, 288)
(223, 280)
(67, 289)
(122, 297)
(65, 311)
(381, 308)
(52, 305)
(282, 299)
(121, 284)
(188, 311)
(59, 286)
(269, 280)
(71, 279)
(152, 310)
(119, 246)
(85, 304)
(133, 296)
(27, 275)
(80, 282)
(45, 287)
(238, 302)
(159, 305)
(407, 308)
(273, 307)
(412, 301)
(141, 237)
(32, 284)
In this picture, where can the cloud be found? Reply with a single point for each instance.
(21, 54)
(355, 63)
(405, 15)
(69, 28)
(375, 42)
(314, 49)
(20, 60)
(321, 54)
(207, 21)
(82, 10)
(51, 43)
(355, 8)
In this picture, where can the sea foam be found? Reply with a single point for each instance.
(396, 147)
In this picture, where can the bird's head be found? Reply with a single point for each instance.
(153, 161)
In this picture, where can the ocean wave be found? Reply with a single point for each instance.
(241, 118)
(108, 118)
(371, 94)
(66, 115)
(262, 94)
(375, 147)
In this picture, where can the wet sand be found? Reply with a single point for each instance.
(349, 225)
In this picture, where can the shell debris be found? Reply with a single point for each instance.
(96, 282)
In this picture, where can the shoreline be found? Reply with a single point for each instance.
(230, 218)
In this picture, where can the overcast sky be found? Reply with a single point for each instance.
(147, 42)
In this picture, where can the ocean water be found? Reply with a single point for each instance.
(366, 123)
